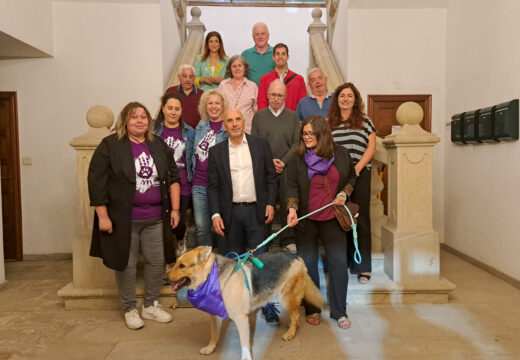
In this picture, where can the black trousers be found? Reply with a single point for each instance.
(287, 236)
(361, 196)
(244, 233)
(308, 233)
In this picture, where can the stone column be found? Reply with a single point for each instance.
(90, 277)
(410, 244)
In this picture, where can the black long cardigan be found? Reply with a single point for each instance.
(298, 182)
(111, 182)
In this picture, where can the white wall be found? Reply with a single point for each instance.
(170, 40)
(286, 25)
(402, 51)
(482, 191)
(340, 39)
(106, 54)
(29, 21)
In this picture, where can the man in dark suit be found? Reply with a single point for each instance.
(242, 191)
(241, 186)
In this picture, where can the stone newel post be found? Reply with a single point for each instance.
(410, 245)
(89, 274)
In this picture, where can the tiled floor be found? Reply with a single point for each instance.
(482, 321)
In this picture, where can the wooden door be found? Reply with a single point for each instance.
(10, 161)
(382, 109)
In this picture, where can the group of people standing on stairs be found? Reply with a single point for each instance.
(235, 138)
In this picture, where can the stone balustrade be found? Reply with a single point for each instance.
(319, 51)
(192, 46)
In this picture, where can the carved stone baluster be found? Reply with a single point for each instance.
(377, 212)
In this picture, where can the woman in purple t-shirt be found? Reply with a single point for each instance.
(179, 137)
(208, 132)
(134, 186)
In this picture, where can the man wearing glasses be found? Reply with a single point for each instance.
(280, 127)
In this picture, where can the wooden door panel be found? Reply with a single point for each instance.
(382, 109)
(10, 182)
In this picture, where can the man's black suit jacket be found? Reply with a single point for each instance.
(220, 189)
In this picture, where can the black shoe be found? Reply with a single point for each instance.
(269, 313)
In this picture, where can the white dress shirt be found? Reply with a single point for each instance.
(276, 113)
(242, 177)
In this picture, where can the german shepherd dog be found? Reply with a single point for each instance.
(284, 275)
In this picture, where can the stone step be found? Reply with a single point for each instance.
(380, 290)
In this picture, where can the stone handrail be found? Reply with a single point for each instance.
(320, 54)
(192, 46)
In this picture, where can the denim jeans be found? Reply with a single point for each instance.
(201, 215)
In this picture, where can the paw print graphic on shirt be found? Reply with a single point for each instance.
(202, 148)
(177, 147)
(146, 173)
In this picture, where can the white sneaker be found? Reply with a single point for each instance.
(290, 248)
(133, 320)
(156, 313)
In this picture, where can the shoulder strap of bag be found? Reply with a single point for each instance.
(286, 81)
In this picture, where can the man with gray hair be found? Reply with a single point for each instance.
(318, 102)
(260, 56)
(189, 93)
(280, 127)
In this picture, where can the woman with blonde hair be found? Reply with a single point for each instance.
(209, 131)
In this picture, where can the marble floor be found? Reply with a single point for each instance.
(481, 321)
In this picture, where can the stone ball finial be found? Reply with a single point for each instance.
(100, 116)
(409, 113)
(195, 12)
(316, 14)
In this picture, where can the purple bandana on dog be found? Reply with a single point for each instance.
(207, 296)
(316, 164)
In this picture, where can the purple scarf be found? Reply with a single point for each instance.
(316, 164)
(207, 296)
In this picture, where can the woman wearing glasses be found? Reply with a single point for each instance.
(319, 173)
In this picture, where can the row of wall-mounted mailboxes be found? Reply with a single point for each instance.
(494, 123)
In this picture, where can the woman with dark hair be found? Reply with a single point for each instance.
(319, 173)
(209, 132)
(241, 93)
(134, 186)
(352, 129)
(179, 137)
(210, 65)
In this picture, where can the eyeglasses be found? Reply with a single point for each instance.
(308, 134)
(278, 96)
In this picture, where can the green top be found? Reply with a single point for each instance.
(259, 64)
(203, 69)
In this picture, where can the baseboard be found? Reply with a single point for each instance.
(499, 274)
(47, 257)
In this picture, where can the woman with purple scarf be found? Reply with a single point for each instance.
(320, 173)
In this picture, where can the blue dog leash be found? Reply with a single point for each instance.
(244, 257)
